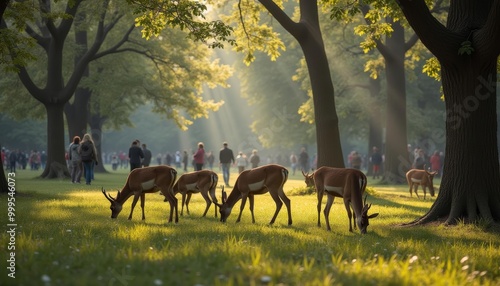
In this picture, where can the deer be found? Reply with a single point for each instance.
(142, 181)
(346, 183)
(424, 178)
(257, 181)
(204, 182)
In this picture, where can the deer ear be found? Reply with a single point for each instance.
(373, 215)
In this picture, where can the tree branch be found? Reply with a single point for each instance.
(411, 42)
(281, 16)
(489, 36)
(434, 35)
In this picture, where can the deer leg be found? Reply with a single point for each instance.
(279, 204)
(320, 199)
(349, 214)
(214, 199)
(172, 200)
(143, 201)
(187, 203)
(329, 203)
(251, 199)
(286, 200)
(243, 202)
(411, 189)
(415, 190)
(136, 198)
(425, 191)
(207, 200)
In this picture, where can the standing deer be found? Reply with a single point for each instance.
(257, 181)
(416, 177)
(203, 182)
(142, 181)
(348, 184)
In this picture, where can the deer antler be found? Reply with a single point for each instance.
(107, 196)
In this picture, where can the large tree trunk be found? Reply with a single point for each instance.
(308, 33)
(96, 122)
(375, 124)
(56, 163)
(396, 154)
(470, 187)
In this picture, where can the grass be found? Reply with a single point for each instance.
(65, 237)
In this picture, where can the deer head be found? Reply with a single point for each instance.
(115, 207)
(430, 178)
(224, 210)
(308, 179)
(363, 222)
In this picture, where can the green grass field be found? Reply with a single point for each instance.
(65, 236)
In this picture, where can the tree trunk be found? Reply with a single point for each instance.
(96, 122)
(470, 187)
(4, 186)
(56, 163)
(396, 154)
(375, 124)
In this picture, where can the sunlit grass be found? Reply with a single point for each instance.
(65, 236)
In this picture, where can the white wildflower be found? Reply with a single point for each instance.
(465, 258)
(45, 278)
(413, 259)
(265, 279)
(158, 282)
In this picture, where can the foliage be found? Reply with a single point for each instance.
(99, 250)
(188, 15)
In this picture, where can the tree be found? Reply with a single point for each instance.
(307, 32)
(50, 33)
(467, 48)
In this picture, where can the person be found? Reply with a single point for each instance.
(210, 160)
(293, 162)
(13, 160)
(158, 159)
(241, 162)
(199, 157)
(303, 160)
(376, 159)
(254, 159)
(147, 156)
(356, 160)
(114, 162)
(75, 160)
(88, 154)
(185, 159)
(419, 159)
(135, 155)
(226, 157)
(436, 163)
(178, 159)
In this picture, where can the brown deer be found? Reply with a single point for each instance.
(416, 177)
(257, 181)
(142, 181)
(348, 184)
(204, 182)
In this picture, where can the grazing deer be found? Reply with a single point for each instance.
(416, 177)
(142, 181)
(348, 184)
(203, 182)
(257, 181)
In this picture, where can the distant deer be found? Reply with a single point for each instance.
(348, 184)
(416, 177)
(257, 181)
(142, 181)
(204, 182)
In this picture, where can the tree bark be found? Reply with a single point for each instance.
(308, 33)
(470, 187)
(375, 124)
(4, 186)
(96, 122)
(56, 163)
(396, 154)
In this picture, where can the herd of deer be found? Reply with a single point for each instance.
(348, 184)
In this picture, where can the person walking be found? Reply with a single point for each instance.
(304, 160)
(376, 159)
(254, 159)
(199, 157)
(135, 155)
(147, 156)
(88, 154)
(226, 157)
(185, 160)
(241, 162)
(75, 160)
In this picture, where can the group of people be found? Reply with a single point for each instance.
(14, 159)
(420, 160)
(82, 157)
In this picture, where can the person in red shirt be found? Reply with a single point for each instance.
(436, 162)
